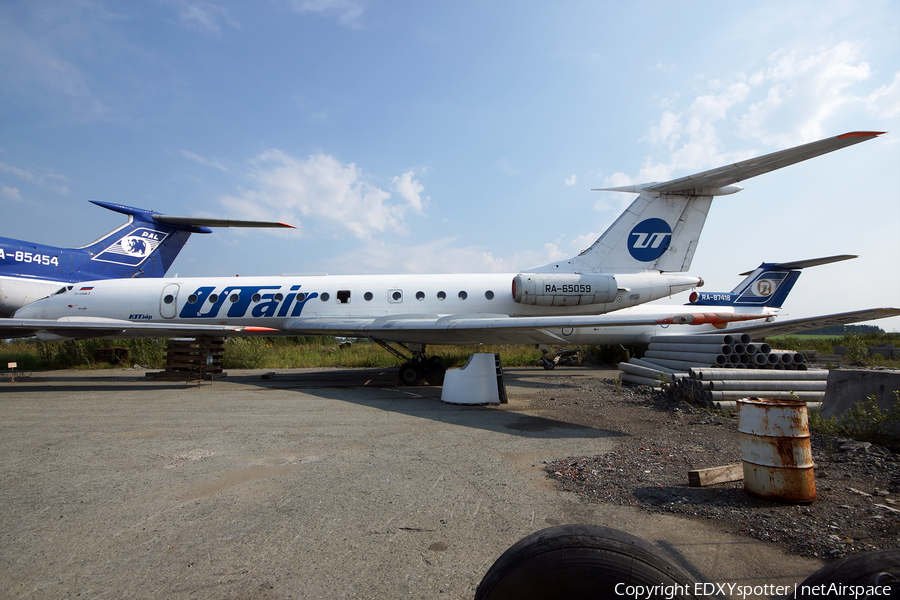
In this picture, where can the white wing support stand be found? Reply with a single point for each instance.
(479, 381)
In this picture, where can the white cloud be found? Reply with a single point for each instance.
(571, 180)
(347, 12)
(885, 101)
(48, 181)
(668, 131)
(441, 256)
(789, 102)
(215, 164)
(204, 16)
(801, 91)
(321, 191)
(504, 167)
(35, 70)
(410, 190)
(10, 193)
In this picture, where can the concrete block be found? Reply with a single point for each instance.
(846, 387)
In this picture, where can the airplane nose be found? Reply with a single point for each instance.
(30, 311)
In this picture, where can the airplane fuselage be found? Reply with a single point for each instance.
(29, 272)
(277, 301)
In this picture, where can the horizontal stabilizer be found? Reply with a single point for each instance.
(196, 223)
(720, 181)
(203, 222)
(745, 169)
(802, 264)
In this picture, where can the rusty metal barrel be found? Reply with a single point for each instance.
(776, 450)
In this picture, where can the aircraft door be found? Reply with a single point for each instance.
(168, 301)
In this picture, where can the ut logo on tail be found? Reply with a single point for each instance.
(649, 239)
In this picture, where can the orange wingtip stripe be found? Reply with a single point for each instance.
(259, 329)
(862, 134)
(286, 225)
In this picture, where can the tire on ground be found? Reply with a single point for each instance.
(868, 569)
(410, 374)
(581, 562)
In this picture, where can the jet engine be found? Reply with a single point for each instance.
(563, 289)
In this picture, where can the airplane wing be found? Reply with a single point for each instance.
(745, 169)
(762, 330)
(455, 329)
(96, 327)
(475, 329)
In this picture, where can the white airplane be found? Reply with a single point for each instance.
(641, 257)
(145, 246)
(762, 292)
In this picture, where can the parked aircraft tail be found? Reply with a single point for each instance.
(660, 230)
(142, 247)
(145, 246)
(767, 286)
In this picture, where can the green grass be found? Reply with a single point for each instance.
(865, 422)
(277, 353)
(31, 354)
(244, 353)
(314, 351)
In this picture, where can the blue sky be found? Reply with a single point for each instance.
(455, 136)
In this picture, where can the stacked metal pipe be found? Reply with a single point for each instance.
(722, 368)
(682, 352)
(715, 386)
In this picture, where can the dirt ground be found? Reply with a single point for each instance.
(858, 484)
(339, 483)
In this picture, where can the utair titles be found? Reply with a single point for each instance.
(261, 300)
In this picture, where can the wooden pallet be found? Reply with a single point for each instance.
(188, 360)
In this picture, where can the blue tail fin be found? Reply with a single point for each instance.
(767, 286)
(142, 247)
(145, 246)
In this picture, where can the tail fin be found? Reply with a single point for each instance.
(661, 228)
(767, 286)
(145, 246)
(142, 247)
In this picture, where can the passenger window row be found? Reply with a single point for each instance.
(343, 297)
(396, 296)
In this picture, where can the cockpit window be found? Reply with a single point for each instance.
(62, 290)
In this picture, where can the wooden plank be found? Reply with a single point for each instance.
(703, 477)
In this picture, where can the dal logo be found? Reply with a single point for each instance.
(649, 239)
(135, 246)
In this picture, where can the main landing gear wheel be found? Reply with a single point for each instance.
(435, 371)
(582, 562)
(415, 371)
(412, 372)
